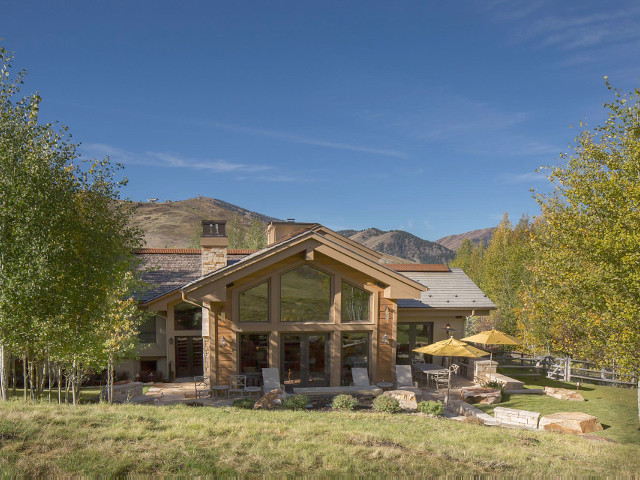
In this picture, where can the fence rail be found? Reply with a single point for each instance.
(564, 368)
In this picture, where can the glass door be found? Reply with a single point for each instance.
(305, 361)
(188, 356)
(410, 336)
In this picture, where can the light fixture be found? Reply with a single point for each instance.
(224, 343)
(170, 340)
(385, 339)
(449, 329)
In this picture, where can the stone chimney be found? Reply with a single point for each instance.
(214, 243)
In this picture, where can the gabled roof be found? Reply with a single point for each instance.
(450, 290)
(418, 267)
(312, 238)
(167, 271)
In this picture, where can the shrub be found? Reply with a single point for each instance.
(431, 408)
(246, 403)
(295, 402)
(493, 384)
(344, 402)
(386, 404)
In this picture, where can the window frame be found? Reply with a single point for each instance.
(369, 334)
(239, 292)
(371, 303)
(332, 314)
(198, 329)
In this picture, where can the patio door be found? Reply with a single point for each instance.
(188, 356)
(410, 336)
(305, 359)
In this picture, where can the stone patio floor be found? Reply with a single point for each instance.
(184, 392)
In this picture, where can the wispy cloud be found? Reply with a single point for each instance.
(564, 26)
(293, 138)
(528, 178)
(169, 160)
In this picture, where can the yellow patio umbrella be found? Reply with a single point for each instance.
(493, 337)
(451, 348)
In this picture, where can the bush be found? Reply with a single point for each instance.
(386, 404)
(493, 384)
(246, 403)
(295, 402)
(344, 402)
(431, 408)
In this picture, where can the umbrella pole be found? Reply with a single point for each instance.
(448, 382)
(490, 364)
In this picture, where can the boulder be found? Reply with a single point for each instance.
(480, 395)
(406, 398)
(570, 422)
(270, 400)
(563, 394)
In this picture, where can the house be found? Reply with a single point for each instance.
(312, 303)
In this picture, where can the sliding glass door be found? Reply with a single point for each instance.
(410, 336)
(305, 359)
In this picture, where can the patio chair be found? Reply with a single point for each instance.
(271, 380)
(404, 380)
(360, 377)
(441, 379)
(202, 386)
(237, 384)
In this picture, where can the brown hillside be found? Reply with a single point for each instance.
(174, 224)
(452, 242)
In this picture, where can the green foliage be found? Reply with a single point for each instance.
(499, 269)
(296, 402)
(585, 297)
(240, 236)
(65, 243)
(431, 408)
(386, 404)
(245, 403)
(344, 402)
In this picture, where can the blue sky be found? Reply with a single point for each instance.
(425, 116)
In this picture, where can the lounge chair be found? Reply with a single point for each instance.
(404, 379)
(360, 377)
(271, 380)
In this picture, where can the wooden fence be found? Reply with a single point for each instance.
(563, 368)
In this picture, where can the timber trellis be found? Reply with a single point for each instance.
(566, 369)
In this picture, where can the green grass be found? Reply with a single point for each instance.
(615, 407)
(108, 440)
(87, 394)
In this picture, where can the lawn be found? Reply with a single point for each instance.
(107, 440)
(615, 407)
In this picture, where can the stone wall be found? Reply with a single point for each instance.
(518, 418)
(213, 259)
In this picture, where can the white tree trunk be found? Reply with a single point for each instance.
(4, 377)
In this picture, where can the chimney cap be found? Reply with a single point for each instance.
(213, 228)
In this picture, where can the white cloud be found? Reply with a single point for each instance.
(293, 138)
(168, 160)
(529, 177)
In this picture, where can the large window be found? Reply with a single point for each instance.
(147, 331)
(355, 303)
(187, 317)
(254, 353)
(254, 304)
(410, 336)
(355, 354)
(305, 295)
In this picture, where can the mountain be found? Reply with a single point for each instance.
(175, 224)
(401, 244)
(452, 242)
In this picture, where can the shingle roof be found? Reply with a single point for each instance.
(417, 267)
(453, 289)
(164, 272)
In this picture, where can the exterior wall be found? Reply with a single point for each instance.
(382, 320)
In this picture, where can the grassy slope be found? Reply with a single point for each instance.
(104, 440)
(616, 408)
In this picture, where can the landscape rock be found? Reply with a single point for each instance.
(563, 394)
(570, 422)
(480, 395)
(406, 398)
(269, 400)
(516, 418)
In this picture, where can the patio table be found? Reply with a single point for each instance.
(430, 370)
